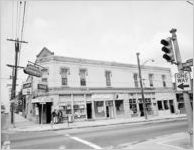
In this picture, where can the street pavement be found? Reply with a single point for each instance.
(22, 124)
(108, 134)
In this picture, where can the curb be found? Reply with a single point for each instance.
(111, 124)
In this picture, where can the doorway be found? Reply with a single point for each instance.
(89, 110)
(141, 109)
(107, 111)
(171, 106)
(48, 112)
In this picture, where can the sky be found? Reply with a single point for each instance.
(99, 30)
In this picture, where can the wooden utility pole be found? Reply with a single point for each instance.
(14, 79)
(141, 84)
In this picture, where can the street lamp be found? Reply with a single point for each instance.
(141, 84)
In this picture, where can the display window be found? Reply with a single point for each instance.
(99, 108)
(133, 107)
(119, 107)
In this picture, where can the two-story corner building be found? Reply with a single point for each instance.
(91, 89)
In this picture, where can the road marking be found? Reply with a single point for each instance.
(86, 142)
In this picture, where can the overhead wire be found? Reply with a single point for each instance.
(19, 23)
(22, 29)
(12, 18)
(16, 34)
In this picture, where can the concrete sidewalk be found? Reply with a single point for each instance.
(177, 141)
(22, 124)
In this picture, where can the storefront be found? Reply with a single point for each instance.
(136, 104)
(73, 104)
(42, 108)
(104, 106)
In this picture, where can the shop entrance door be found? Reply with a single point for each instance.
(48, 112)
(171, 106)
(89, 110)
(141, 109)
(107, 111)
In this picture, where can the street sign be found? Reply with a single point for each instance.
(183, 81)
(186, 69)
(33, 70)
(190, 61)
(187, 64)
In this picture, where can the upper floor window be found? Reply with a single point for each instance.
(44, 79)
(135, 77)
(151, 77)
(82, 74)
(64, 75)
(108, 76)
(164, 80)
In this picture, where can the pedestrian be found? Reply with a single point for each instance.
(60, 116)
(54, 115)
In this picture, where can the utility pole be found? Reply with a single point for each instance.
(141, 84)
(13, 91)
(185, 93)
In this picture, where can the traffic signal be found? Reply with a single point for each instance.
(168, 49)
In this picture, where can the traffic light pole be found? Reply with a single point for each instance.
(185, 93)
(141, 84)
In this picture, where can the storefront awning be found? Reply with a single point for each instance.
(42, 100)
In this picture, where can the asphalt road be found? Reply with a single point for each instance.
(96, 137)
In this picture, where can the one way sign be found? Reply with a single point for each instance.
(183, 81)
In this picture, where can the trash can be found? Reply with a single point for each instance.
(70, 118)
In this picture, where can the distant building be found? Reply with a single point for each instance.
(91, 89)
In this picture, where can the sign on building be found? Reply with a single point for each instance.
(26, 88)
(183, 81)
(33, 70)
(43, 87)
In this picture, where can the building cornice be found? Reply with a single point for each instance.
(97, 62)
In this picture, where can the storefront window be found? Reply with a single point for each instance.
(166, 104)
(79, 109)
(159, 105)
(133, 105)
(119, 107)
(99, 109)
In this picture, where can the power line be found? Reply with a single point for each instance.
(23, 20)
(189, 2)
(12, 17)
(22, 29)
(16, 20)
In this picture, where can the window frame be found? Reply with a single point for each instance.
(108, 75)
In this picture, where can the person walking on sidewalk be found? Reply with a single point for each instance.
(54, 117)
(60, 114)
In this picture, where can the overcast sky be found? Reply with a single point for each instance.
(103, 30)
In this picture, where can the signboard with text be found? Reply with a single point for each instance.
(183, 81)
(33, 70)
(43, 87)
(27, 88)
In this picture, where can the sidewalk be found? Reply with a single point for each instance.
(22, 124)
(177, 141)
